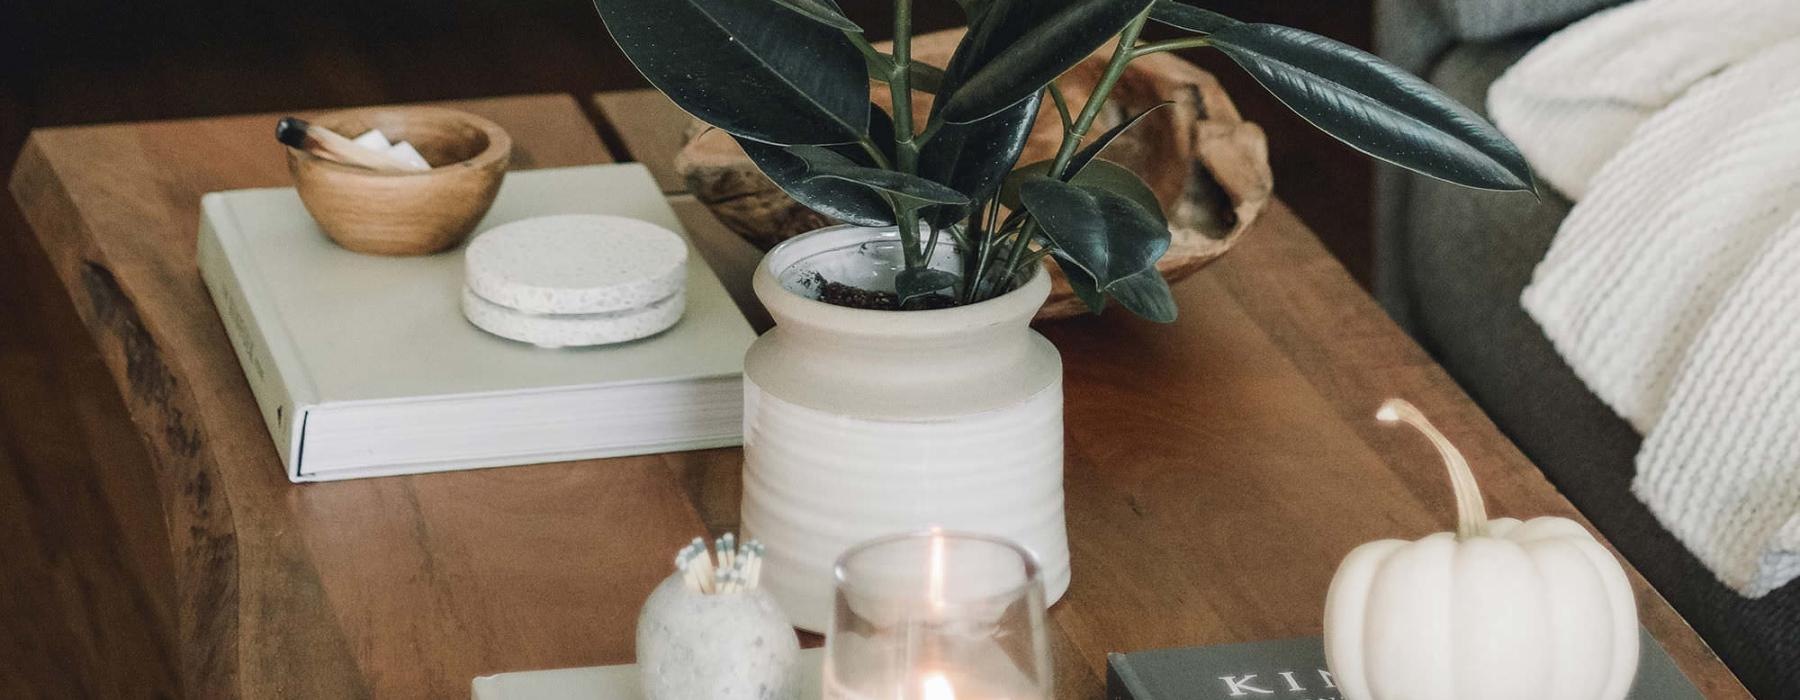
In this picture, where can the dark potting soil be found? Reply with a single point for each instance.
(840, 294)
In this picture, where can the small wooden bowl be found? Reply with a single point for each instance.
(412, 213)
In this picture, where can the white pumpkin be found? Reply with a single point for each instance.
(1498, 610)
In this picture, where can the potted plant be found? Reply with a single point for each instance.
(902, 386)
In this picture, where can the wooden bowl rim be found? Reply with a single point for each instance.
(499, 144)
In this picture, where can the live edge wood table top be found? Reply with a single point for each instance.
(1218, 468)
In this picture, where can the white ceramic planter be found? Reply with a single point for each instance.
(862, 423)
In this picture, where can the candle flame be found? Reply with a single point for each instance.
(937, 687)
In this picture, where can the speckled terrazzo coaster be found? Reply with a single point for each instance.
(576, 264)
(573, 330)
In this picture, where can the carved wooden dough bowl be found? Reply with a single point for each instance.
(1208, 166)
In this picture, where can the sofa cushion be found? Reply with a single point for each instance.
(1492, 19)
(1457, 264)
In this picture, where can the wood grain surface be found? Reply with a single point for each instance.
(1217, 468)
(401, 587)
(648, 122)
(84, 611)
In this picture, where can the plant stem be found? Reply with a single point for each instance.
(961, 234)
(874, 152)
(1062, 106)
(906, 152)
(868, 50)
(1192, 42)
(1122, 54)
(1032, 259)
(900, 86)
(1026, 233)
(930, 130)
(990, 238)
(973, 240)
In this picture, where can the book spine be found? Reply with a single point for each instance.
(1121, 681)
(283, 411)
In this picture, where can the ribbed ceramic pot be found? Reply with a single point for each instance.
(861, 423)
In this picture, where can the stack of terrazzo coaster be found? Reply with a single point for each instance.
(575, 280)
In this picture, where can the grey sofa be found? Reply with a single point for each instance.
(1450, 266)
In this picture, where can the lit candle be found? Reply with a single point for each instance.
(931, 622)
(937, 687)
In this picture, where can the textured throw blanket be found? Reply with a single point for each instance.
(1673, 288)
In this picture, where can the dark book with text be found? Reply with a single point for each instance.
(1294, 669)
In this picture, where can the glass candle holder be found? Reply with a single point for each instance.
(938, 616)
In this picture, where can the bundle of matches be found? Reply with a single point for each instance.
(729, 568)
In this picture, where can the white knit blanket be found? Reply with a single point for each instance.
(1673, 288)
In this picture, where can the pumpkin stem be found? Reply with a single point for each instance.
(1471, 512)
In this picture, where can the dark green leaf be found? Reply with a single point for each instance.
(1103, 174)
(974, 9)
(1119, 180)
(1086, 155)
(1107, 234)
(1084, 286)
(912, 190)
(974, 158)
(916, 282)
(1016, 47)
(1146, 294)
(844, 201)
(1185, 16)
(772, 76)
(1009, 189)
(824, 12)
(1375, 106)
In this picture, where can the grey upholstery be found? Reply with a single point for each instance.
(1493, 19)
(1453, 263)
(1410, 33)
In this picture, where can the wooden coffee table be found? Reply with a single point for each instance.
(1218, 468)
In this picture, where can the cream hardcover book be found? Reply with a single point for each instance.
(364, 365)
(607, 682)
